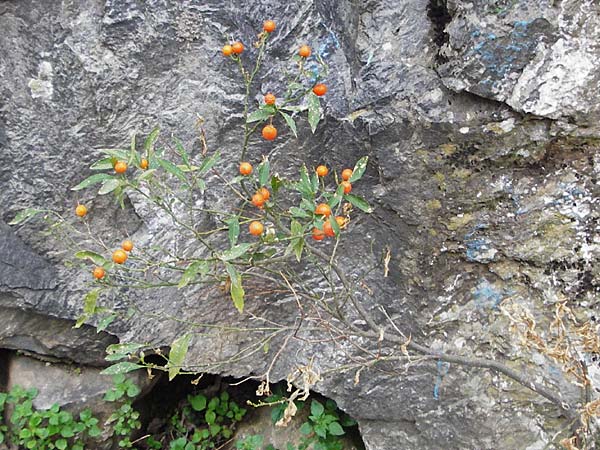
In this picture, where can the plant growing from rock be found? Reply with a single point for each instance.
(268, 222)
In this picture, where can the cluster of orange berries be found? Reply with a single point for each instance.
(269, 132)
(119, 256)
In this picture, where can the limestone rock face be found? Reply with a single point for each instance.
(481, 122)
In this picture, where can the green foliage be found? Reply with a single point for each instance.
(125, 420)
(30, 428)
(203, 423)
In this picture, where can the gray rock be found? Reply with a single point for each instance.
(481, 121)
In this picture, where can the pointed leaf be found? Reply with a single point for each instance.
(172, 169)
(116, 152)
(182, 152)
(263, 172)
(337, 197)
(334, 226)
(314, 111)
(105, 323)
(108, 186)
(335, 429)
(290, 123)
(259, 115)
(24, 215)
(237, 292)
(89, 301)
(359, 169)
(122, 367)
(235, 252)
(234, 230)
(103, 164)
(358, 202)
(94, 179)
(209, 162)
(316, 408)
(179, 349)
(192, 270)
(151, 140)
(97, 259)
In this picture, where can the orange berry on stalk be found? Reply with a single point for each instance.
(347, 186)
(320, 89)
(269, 26)
(81, 210)
(258, 199)
(341, 221)
(245, 168)
(120, 167)
(127, 245)
(322, 171)
(256, 228)
(323, 209)
(227, 50)
(304, 51)
(144, 164)
(328, 229)
(269, 132)
(270, 99)
(265, 193)
(346, 174)
(237, 47)
(119, 256)
(318, 235)
(99, 273)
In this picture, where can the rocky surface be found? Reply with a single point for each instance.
(480, 119)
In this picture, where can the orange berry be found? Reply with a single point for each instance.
(328, 229)
(258, 200)
(256, 228)
(341, 221)
(265, 193)
(119, 256)
(245, 168)
(81, 210)
(322, 171)
(237, 47)
(323, 209)
(120, 167)
(320, 89)
(270, 99)
(269, 132)
(144, 164)
(318, 235)
(347, 186)
(304, 51)
(346, 174)
(227, 50)
(269, 26)
(127, 245)
(99, 273)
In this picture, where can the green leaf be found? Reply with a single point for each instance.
(151, 140)
(172, 169)
(108, 186)
(123, 349)
(177, 355)
(316, 408)
(215, 429)
(320, 430)
(306, 428)
(105, 323)
(263, 172)
(192, 270)
(122, 367)
(314, 111)
(92, 256)
(290, 123)
(337, 197)
(235, 252)
(359, 202)
(298, 239)
(94, 179)
(295, 108)
(305, 186)
(276, 183)
(198, 402)
(210, 417)
(89, 301)
(116, 152)
(237, 291)
(335, 429)
(61, 444)
(209, 162)
(259, 115)
(146, 174)
(103, 164)
(359, 169)
(299, 212)
(233, 225)
(24, 215)
(334, 226)
(182, 152)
